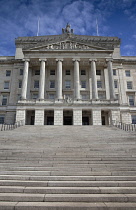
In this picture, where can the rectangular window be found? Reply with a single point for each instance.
(52, 72)
(115, 84)
(114, 72)
(20, 84)
(2, 119)
(8, 73)
(131, 100)
(52, 84)
(36, 84)
(83, 84)
(129, 85)
(67, 84)
(19, 97)
(98, 72)
(99, 84)
(127, 72)
(51, 96)
(67, 72)
(37, 72)
(83, 72)
(133, 119)
(117, 96)
(6, 85)
(4, 100)
(35, 96)
(84, 97)
(21, 71)
(101, 95)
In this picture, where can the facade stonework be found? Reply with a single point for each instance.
(68, 79)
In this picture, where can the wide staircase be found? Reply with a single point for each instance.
(67, 168)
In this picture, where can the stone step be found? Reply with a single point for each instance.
(23, 197)
(67, 206)
(68, 190)
(68, 178)
(68, 183)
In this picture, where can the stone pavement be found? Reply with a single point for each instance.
(67, 168)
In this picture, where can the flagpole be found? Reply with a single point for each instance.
(38, 27)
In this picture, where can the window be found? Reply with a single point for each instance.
(36, 84)
(84, 97)
(2, 119)
(35, 96)
(52, 84)
(117, 96)
(51, 96)
(67, 84)
(127, 72)
(129, 85)
(101, 95)
(131, 100)
(115, 84)
(133, 119)
(83, 84)
(114, 72)
(67, 72)
(21, 71)
(6, 85)
(99, 84)
(37, 72)
(98, 72)
(4, 100)
(19, 97)
(52, 72)
(83, 72)
(20, 84)
(8, 73)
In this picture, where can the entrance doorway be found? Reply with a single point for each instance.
(30, 117)
(105, 117)
(86, 117)
(49, 117)
(68, 117)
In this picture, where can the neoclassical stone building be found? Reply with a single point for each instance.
(67, 79)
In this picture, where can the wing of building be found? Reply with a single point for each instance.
(68, 79)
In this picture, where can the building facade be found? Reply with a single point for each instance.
(68, 79)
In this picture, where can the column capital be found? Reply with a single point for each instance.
(76, 59)
(43, 59)
(25, 59)
(92, 59)
(109, 60)
(59, 59)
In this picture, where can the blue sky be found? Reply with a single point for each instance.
(115, 18)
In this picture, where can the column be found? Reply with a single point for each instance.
(94, 79)
(59, 78)
(76, 79)
(42, 79)
(111, 80)
(106, 78)
(25, 80)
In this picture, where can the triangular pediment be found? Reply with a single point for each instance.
(65, 45)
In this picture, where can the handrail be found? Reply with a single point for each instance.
(17, 124)
(124, 126)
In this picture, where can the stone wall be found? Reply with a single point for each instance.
(77, 117)
(96, 117)
(58, 117)
(115, 115)
(10, 117)
(126, 117)
(20, 115)
(39, 117)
